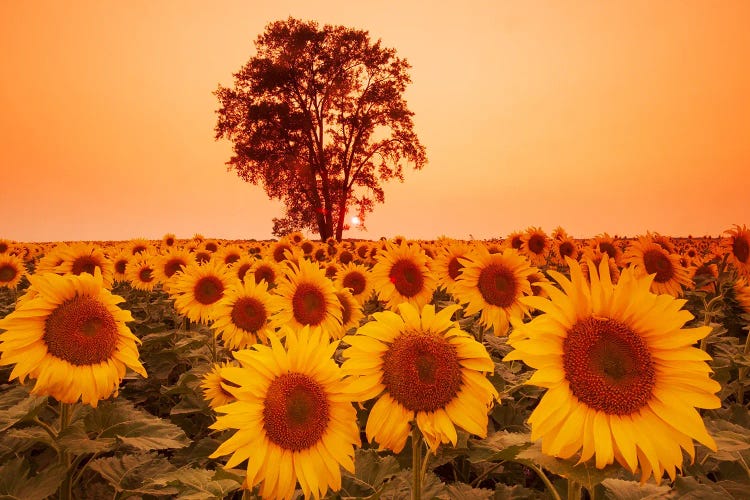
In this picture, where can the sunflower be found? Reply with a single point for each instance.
(308, 298)
(141, 272)
(211, 246)
(242, 266)
(595, 256)
(423, 368)
(6, 246)
(357, 279)
(351, 311)
(400, 274)
(120, 262)
(562, 247)
(514, 241)
(11, 270)
(737, 246)
(648, 257)
(71, 337)
(51, 259)
(622, 375)
(447, 267)
(535, 246)
(197, 289)
(605, 243)
(169, 240)
(706, 272)
(294, 416)
(138, 246)
(241, 317)
(230, 254)
(493, 284)
(282, 250)
(268, 271)
(85, 258)
(167, 265)
(213, 386)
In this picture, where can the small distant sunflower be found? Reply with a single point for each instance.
(514, 241)
(120, 262)
(705, 271)
(308, 298)
(210, 246)
(605, 243)
(493, 284)
(294, 416)
(167, 265)
(241, 317)
(51, 259)
(423, 369)
(240, 268)
(197, 289)
(447, 265)
(357, 279)
(213, 386)
(400, 274)
(169, 240)
(563, 247)
(648, 257)
(622, 374)
(138, 246)
(5, 246)
(85, 258)
(141, 272)
(535, 246)
(230, 254)
(71, 337)
(737, 246)
(11, 270)
(595, 256)
(331, 270)
(268, 271)
(282, 250)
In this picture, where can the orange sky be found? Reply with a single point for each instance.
(621, 116)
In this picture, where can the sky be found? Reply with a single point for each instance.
(620, 117)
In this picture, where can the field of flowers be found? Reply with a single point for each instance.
(532, 366)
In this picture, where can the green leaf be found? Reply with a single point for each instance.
(730, 439)
(134, 473)
(501, 445)
(16, 483)
(75, 439)
(688, 488)
(401, 486)
(586, 473)
(16, 405)
(462, 491)
(371, 471)
(618, 489)
(196, 484)
(134, 427)
(516, 492)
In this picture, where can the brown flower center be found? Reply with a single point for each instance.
(81, 331)
(656, 261)
(202, 257)
(345, 257)
(406, 277)
(516, 242)
(264, 273)
(211, 247)
(7, 273)
(242, 271)
(249, 314)
(741, 249)
(566, 249)
(84, 264)
(145, 275)
(609, 367)
(295, 412)
(208, 289)
(421, 371)
(138, 249)
(498, 285)
(308, 304)
(173, 265)
(537, 242)
(454, 267)
(608, 248)
(121, 265)
(231, 258)
(355, 281)
(346, 308)
(278, 252)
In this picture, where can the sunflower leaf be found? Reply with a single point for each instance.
(618, 489)
(15, 481)
(501, 445)
(16, 405)
(401, 486)
(371, 471)
(133, 473)
(462, 491)
(196, 484)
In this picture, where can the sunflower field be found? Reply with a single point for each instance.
(530, 366)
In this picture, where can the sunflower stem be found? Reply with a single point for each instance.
(742, 373)
(65, 487)
(574, 490)
(416, 457)
(707, 317)
(480, 335)
(546, 481)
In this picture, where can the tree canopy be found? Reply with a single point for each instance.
(318, 117)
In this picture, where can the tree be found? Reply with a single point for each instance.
(319, 118)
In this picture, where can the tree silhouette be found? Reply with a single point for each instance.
(318, 117)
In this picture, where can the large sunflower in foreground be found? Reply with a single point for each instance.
(294, 416)
(197, 289)
(307, 297)
(648, 257)
(242, 316)
(622, 374)
(400, 274)
(71, 337)
(737, 246)
(493, 283)
(423, 368)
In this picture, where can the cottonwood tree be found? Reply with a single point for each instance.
(318, 117)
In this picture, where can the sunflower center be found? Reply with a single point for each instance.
(346, 257)
(138, 249)
(172, 266)
(169, 242)
(406, 277)
(231, 258)
(3, 247)
(608, 248)
(309, 304)
(454, 268)
(497, 285)
(536, 243)
(146, 275)
(211, 247)
(249, 314)
(85, 264)
(295, 412)
(566, 249)
(278, 253)
(609, 367)
(264, 273)
(355, 281)
(421, 371)
(741, 249)
(208, 290)
(81, 331)
(120, 266)
(202, 257)
(7, 273)
(657, 262)
(516, 242)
